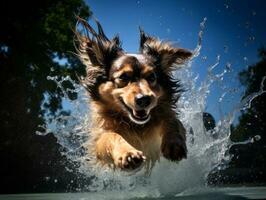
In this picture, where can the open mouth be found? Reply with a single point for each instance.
(137, 116)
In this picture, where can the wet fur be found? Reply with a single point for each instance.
(115, 139)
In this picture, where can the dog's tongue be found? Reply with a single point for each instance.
(140, 114)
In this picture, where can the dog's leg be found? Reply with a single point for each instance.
(173, 145)
(113, 147)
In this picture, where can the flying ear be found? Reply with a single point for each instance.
(97, 53)
(95, 49)
(163, 54)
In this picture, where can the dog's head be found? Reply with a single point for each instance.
(130, 84)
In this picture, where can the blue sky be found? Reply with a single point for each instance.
(234, 30)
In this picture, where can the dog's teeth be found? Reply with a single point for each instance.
(129, 159)
(144, 158)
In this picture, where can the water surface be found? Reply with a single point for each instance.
(230, 193)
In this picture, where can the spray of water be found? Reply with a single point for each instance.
(206, 149)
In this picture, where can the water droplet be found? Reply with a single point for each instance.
(257, 137)
(204, 58)
(228, 66)
(251, 38)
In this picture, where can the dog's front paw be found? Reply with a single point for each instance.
(174, 148)
(130, 160)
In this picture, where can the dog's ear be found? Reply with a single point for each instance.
(163, 54)
(95, 49)
(97, 53)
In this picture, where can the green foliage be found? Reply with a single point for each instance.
(33, 36)
(248, 163)
(251, 121)
(252, 77)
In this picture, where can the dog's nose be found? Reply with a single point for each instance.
(142, 101)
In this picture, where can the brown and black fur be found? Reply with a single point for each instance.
(128, 132)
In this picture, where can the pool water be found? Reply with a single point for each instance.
(225, 193)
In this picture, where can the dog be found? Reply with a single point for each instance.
(132, 99)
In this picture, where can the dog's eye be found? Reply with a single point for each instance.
(151, 78)
(124, 77)
(123, 80)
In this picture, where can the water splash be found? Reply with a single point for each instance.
(206, 149)
(200, 35)
(247, 101)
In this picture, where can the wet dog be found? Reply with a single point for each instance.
(133, 99)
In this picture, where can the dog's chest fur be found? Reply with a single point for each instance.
(147, 139)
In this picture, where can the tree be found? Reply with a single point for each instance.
(33, 36)
(251, 121)
(248, 163)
